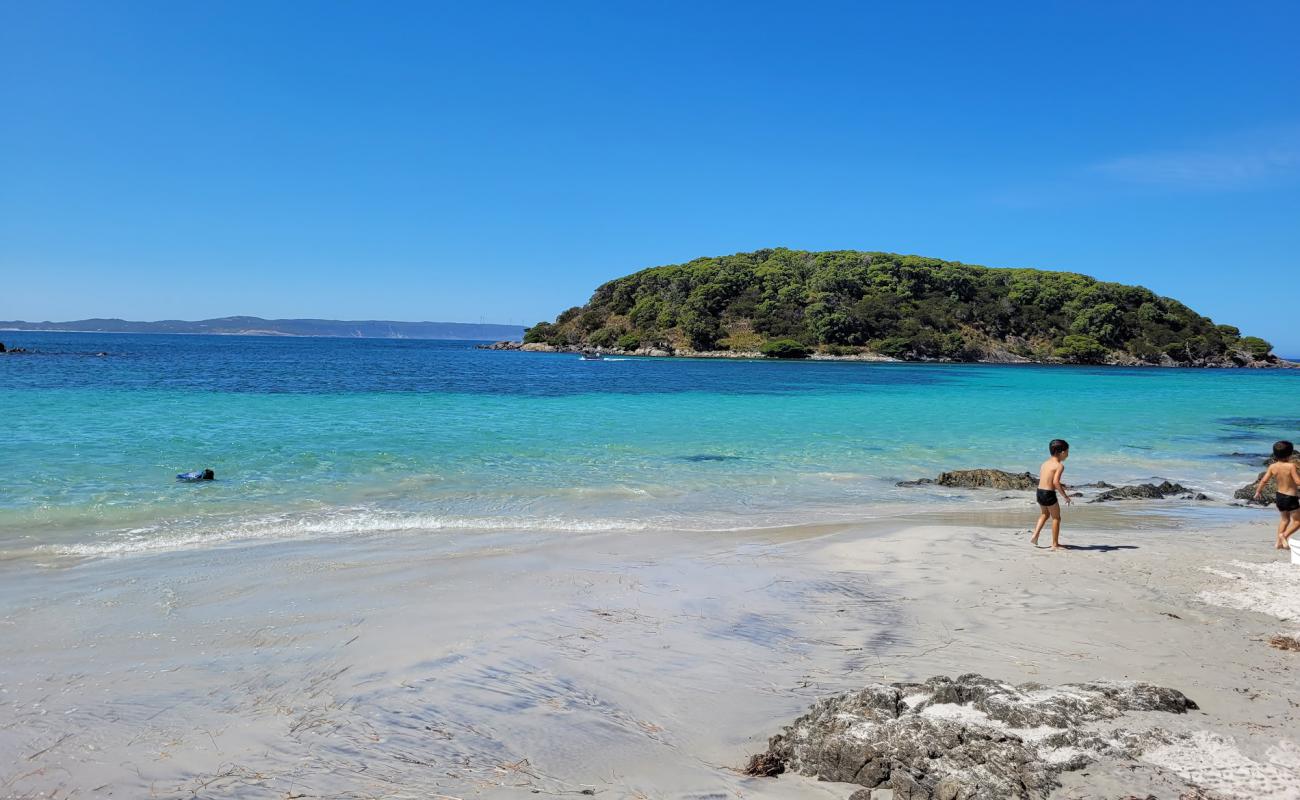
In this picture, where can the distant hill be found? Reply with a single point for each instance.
(849, 304)
(256, 326)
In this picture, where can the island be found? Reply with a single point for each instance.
(847, 304)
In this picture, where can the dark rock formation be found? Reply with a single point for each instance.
(968, 738)
(1247, 492)
(1149, 491)
(504, 345)
(987, 479)
(979, 479)
(2, 347)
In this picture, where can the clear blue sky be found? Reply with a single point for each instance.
(474, 160)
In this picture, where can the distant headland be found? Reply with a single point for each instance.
(256, 326)
(848, 304)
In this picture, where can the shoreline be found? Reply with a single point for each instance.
(874, 358)
(654, 662)
(957, 505)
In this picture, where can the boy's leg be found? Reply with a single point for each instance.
(1038, 526)
(1281, 528)
(1056, 526)
(1291, 528)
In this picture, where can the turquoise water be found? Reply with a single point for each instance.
(337, 437)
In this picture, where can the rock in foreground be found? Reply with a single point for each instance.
(965, 738)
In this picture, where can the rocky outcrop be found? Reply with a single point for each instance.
(965, 738)
(979, 479)
(1025, 481)
(529, 347)
(1149, 491)
(1247, 492)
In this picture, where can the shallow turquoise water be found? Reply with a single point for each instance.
(316, 437)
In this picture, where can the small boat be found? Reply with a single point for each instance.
(591, 355)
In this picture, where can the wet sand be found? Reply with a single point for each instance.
(626, 664)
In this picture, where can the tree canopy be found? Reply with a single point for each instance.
(849, 302)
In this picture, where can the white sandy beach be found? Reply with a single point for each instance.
(629, 665)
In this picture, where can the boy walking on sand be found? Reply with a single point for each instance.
(1284, 471)
(1049, 483)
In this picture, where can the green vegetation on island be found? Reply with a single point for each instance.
(791, 304)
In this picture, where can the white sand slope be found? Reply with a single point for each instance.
(634, 664)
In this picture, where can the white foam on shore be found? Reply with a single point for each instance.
(1271, 588)
(1214, 762)
(148, 540)
(211, 532)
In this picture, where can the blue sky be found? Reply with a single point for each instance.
(497, 161)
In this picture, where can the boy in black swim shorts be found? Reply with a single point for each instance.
(1049, 484)
(1284, 471)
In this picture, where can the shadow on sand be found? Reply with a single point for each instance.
(1100, 548)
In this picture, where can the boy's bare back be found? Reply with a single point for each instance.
(1286, 475)
(1049, 473)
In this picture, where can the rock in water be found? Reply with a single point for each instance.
(1146, 491)
(965, 738)
(1247, 492)
(987, 479)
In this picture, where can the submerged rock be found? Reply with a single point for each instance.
(965, 738)
(1247, 492)
(917, 482)
(1148, 491)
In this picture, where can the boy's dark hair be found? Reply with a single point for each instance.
(1283, 450)
(1058, 446)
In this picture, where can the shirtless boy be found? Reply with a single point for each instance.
(1284, 471)
(1049, 484)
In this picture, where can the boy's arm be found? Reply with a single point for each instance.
(1263, 481)
(1060, 486)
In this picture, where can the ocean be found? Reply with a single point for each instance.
(350, 437)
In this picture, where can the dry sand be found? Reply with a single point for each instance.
(631, 665)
